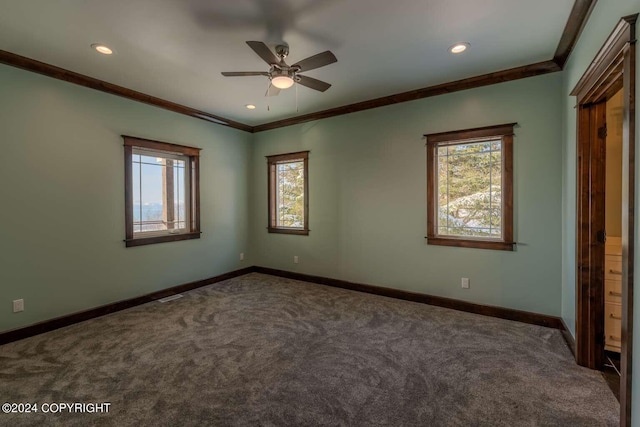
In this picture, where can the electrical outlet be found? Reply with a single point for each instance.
(241, 256)
(18, 305)
(295, 259)
(465, 283)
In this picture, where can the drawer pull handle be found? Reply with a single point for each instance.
(612, 338)
(612, 271)
(615, 294)
(613, 316)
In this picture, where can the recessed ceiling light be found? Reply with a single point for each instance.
(102, 49)
(250, 107)
(459, 47)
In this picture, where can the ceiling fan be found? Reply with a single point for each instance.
(283, 76)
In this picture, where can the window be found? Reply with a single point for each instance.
(470, 188)
(162, 194)
(288, 193)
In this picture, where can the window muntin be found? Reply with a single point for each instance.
(288, 193)
(161, 192)
(470, 188)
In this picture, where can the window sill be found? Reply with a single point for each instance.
(142, 241)
(298, 231)
(470, 243)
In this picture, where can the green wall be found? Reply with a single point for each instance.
(367, 179)
(62, 198)
(604, 18)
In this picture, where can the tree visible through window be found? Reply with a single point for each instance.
(161, 192)
(470, 188)
(288, 195)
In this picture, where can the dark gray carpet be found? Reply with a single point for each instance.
(261, 350)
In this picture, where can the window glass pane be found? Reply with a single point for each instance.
(151, 203)
(135, 171)
(160, 192)
(180, 192)
(496, 192)
(443, 188)
(290, 194)
(469, 184)
(151, 160)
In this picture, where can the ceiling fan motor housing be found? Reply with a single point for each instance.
(282, 71)
(282, 50)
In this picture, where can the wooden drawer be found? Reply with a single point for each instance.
(613, 267)
(613, 291)
(612, 326)
(613, 246)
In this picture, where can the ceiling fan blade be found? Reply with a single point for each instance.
(316, 61)
(312, 83)
(272, 91)
(244, 73)
(263, 52)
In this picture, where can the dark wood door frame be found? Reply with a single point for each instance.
(612, 69)
(590, 237)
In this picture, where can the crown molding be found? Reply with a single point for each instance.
(578, 17)
(576, 22)
(441, 89)
(32, 65)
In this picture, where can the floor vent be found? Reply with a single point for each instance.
(171, 298)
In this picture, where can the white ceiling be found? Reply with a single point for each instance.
(176, 49)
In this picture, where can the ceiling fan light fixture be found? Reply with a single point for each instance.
(282, 82)
(459, 47)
